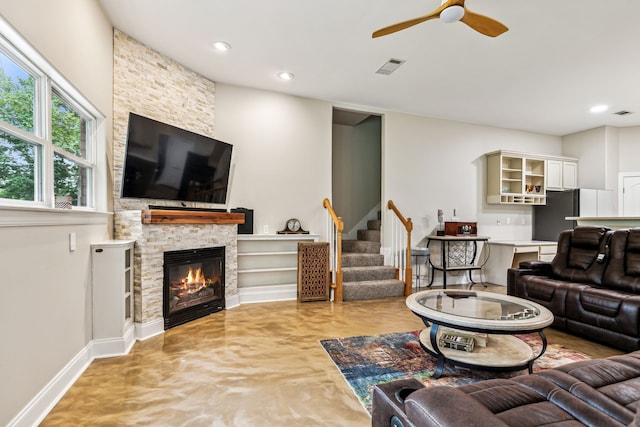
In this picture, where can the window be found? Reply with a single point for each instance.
(47, 138)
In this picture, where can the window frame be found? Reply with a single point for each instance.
(48, 80)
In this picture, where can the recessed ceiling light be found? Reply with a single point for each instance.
(221, 46)
(599, 108)
(285, 75)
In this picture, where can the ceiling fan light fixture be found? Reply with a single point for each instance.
(452, 14)
(285, 75)
(221, 46)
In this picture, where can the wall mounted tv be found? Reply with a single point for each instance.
(168, 163)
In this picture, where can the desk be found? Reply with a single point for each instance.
(464, 260)
(506, 254)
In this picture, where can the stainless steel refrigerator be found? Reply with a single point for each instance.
(549, 220)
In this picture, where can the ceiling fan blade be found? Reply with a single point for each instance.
(406, 24)
(483, 24)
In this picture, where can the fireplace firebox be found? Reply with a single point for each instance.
(193, 284)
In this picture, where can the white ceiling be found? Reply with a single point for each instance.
(557, 60)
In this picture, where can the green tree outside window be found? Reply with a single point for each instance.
(21, 160)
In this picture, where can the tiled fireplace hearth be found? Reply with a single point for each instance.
(152, 240)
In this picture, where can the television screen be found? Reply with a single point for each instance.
(168, 163)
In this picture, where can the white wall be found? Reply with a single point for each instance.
(432, 164)
(611, 163)
(629, 152)
(46, 317)
(282, 155)
(589, 147)
(356, 173)
(603, 153)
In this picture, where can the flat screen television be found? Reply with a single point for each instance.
(165, 162)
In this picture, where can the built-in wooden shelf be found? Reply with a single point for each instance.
(174, 216)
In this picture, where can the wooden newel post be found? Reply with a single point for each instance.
(408, 272)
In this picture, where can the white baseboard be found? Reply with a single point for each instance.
(268, 293)
(232, 301)
(38, 408)
(112, 347)
(150, 329)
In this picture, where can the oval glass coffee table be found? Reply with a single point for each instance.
(491, 319)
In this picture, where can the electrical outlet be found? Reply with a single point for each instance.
(265, 229)
(508, 220)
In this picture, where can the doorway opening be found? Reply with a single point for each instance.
(356, 168)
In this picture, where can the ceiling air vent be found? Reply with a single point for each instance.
(390, 66)
(622, 113)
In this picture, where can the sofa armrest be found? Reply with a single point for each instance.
(527, 268)
(445, 406)
(543, 266)
(388, 403)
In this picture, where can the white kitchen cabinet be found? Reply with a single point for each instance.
(112, 288)
(515, 178)
(562, 174)
(521, 178)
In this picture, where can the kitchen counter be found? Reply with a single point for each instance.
(614, 222)
(505, 254)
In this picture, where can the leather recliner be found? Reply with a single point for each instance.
(592, 286)
(600, 392)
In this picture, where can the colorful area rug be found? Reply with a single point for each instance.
(369, 360)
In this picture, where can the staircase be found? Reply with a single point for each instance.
(364, 274)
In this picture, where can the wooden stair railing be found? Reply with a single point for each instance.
(335, 243)
(406, 262)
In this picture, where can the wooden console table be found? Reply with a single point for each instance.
(469, 263)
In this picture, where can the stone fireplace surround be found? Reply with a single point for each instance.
(150, 84)
(151, 241)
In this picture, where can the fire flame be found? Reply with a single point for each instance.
(198, 277)
(192, 283)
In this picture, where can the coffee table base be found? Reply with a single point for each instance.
(502, 353)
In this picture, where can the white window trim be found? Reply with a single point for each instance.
(98, 153)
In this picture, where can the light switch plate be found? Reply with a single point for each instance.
(72, 242)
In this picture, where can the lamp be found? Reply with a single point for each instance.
(452, 14)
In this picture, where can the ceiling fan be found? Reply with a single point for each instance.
(451, 11)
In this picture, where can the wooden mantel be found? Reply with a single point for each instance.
(177, 216)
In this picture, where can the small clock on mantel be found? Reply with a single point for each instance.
(292, 226)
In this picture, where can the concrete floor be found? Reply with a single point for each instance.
(254, 365)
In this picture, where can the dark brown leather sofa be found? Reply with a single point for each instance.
(592, 286)
(600, 392)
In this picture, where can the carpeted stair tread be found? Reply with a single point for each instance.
(369, 235)
(374, 224)
(363, 274)
(361, 260)
(372, 289)
(360, 246)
